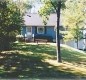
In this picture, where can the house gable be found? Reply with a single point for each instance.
(36, 20)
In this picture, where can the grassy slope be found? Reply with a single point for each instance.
(39, 61)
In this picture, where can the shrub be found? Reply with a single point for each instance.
(41, 36)
(19, 38)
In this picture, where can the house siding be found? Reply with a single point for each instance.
(23, 31)
(33, 30)
(73, 44)
(50, 31)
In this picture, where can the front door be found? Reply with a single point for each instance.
(28, 32)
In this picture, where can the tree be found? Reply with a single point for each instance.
(10, 23)
(23, 5)
(53, 6)
(74, 17)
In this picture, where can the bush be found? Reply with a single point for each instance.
(6, 42)
(41, 36)
(20, 38)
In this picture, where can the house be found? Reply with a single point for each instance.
(34, 26)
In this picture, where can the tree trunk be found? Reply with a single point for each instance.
(57, 33)
(77, 42)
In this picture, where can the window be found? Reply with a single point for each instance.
(40, 30)
(28, 29)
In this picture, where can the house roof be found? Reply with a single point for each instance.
(36, 20)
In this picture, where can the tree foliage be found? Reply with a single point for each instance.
(74, 17)
(23, 5)
(50, 6)
(10, 23)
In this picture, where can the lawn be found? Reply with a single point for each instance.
(39, 61)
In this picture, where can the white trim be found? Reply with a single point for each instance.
(38, 30)
(39, 25)
(27, 28)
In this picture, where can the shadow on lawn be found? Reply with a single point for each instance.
(73, 56)
(67, 54)
(38, 50)
(17, 65)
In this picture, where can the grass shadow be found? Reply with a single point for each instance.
(72, 56)
(38, 49)
(28, 61)
(16, 65)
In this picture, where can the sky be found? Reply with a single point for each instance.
(35, 8)
(36, 5)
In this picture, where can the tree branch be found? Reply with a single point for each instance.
(53, 5)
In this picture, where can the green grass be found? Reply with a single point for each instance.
(39, 61)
